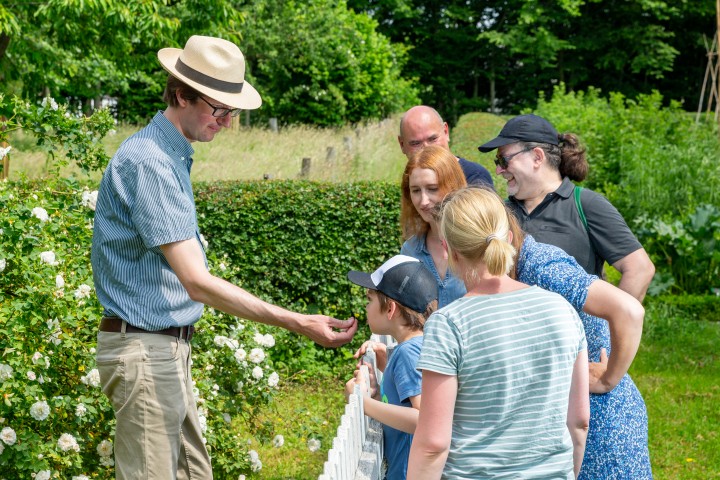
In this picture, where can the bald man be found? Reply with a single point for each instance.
(422, 126)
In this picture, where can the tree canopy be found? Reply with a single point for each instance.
(326, 62)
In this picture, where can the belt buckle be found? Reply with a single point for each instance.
(186, 333)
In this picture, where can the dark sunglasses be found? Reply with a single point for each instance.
(503, 162)
(221, 112)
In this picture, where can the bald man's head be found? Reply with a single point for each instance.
(422, 126)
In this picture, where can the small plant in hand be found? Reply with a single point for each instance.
(54, 420)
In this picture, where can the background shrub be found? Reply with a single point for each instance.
(659, 168)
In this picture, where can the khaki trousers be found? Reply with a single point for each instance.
(147, 379)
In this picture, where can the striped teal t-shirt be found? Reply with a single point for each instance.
(513, 354)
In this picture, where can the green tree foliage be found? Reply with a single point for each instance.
(317, 62)
(79, 50)
(472, 54)
(330, 67)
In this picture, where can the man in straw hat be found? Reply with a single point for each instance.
(151, 274)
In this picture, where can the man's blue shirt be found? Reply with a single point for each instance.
(145, 200)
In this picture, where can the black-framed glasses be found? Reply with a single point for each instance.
(503, 162)
(220, 112)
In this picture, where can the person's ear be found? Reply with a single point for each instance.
(539, 156)
(392, 308)
(510, 236)
(181, 101)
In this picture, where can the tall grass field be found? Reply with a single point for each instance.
(677, 368)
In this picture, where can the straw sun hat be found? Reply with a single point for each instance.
(213, 67)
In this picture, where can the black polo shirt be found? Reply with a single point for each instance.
(556, 221)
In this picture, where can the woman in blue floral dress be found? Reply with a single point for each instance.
(617, 443)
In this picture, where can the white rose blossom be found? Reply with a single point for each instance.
(92, 378)
(107, 461)
(256, 467)
(269, 340)
(67, 442)
(59, 281)
(257, 373)
(31, 375)
(89, 199)
(40, 213)
(80, 477)
(40, 410)
(3, 263)
(4, 151)
(240, 355)
(266, 340)
(49, 101)
(313, 444)
(273, 380)
(253, 456)
(83, 291)
(42, 475)
(49, 257)
(105, 448)
(6, 372)
(257, 355)
(278, 441)
(8, 436)
(80, 410)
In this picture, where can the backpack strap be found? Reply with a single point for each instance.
(578, 205)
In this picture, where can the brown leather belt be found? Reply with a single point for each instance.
(114, 324)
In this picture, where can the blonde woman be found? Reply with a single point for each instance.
(505, 369)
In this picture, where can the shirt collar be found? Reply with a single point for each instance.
(180, 145)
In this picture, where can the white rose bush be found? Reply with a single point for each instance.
(55, 421)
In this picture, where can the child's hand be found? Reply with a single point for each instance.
(380, 350)
(357, 380)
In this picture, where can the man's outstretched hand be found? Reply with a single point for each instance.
(328, 331)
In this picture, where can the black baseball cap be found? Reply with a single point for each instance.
(524, 128)
(404, 279)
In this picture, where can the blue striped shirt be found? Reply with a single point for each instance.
(513, 356)
(145, 200)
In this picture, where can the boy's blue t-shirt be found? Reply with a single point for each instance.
(400, 381)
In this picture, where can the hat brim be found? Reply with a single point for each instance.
(362, 279)
(495, 143)
(248, 99)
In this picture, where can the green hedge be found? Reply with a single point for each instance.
(293, 242)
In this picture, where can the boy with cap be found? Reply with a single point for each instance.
(401, 295)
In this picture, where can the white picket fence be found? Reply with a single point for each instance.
(357, 450)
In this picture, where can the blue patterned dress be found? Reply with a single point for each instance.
(617, 442)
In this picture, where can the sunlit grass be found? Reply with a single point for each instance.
(677, 370)
(354, 152)
(311, 409)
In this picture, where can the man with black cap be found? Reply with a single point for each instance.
(401, 294)
(540, 166)
(151, 274)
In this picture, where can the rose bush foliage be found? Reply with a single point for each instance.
(54, 420)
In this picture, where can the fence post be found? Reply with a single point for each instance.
(305, 167)
(273, 124)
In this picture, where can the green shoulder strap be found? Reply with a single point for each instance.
(578, 204)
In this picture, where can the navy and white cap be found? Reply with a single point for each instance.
(523, 128)
(404, 279)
